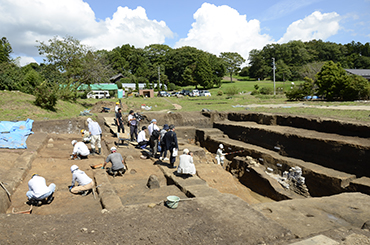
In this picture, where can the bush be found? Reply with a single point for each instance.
(219, 93)
(46, 96)
(232, 90)
(265, 90)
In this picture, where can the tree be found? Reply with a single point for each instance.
(233, 61)
(330, 80)
(5, 50)
(203, 72)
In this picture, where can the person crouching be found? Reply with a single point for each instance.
(186, 165)
(85, 183)
(118, 168)
(80, 150)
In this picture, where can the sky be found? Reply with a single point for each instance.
(214, 26)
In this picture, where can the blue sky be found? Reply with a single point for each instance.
(214, 26)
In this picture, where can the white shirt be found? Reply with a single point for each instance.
(186, 165)
(81, 149)
(94, 128)
(116, 108)
(133, 122)
(141, 136)
(151, 128)
(38, 185)
(81, 178)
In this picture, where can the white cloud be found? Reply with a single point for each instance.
(223, 29)
(23, 22)
(314, 26)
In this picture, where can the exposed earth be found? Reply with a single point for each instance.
(215, 207)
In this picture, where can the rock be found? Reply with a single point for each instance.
(152, 205)
(50, 146)
(50, 140)
(104, 211)
(84, 230)
(153, 182)
(366, 225)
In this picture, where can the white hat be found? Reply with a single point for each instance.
(73, 168)
(186, 151)
(221, 146)
(154, 120)
(89, 120)
(113, 148)
(74, 142)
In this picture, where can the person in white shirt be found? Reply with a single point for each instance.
(86, 138)
(116, 107)
(133, 125)
(186, 165)
(80, 150)
(95, 132)
(85, 183)
(154, 137)
(220, 156)
(141, 138)
(38, 191)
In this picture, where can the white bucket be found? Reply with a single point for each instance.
(172, 201)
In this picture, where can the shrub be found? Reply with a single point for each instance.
(265, 90)
(232, 90)
(219, 93)
(45, 96)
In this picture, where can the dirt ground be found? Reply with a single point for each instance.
(226, 218)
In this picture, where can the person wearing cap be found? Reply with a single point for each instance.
(38, 192)
(186, 165)
(119, 121)
(95, 131)
(116, 159)
(85, 183)
(132, 121)
(80, 150)
(141, 138)
(220, 156)
(86, 138)
(163, 143)
(170, 139)
(116, 107)
(154, 136)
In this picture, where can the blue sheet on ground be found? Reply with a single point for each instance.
(13, 135)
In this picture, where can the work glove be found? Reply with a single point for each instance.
(70, 188)
(102, 167)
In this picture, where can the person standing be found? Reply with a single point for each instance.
(38, 191)
(80, 150)
(133, 125)
(119, 121)
(95, 132)
(117, 163)
(163, 143)
(154, 134)
(171, 144)
(220, 156)
(116, 107)
(85, 183)
(186, 165)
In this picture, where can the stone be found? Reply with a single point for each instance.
(366, 225)
(153, 182)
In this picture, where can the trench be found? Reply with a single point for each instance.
(264, 154)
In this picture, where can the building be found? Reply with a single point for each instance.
(360, 72)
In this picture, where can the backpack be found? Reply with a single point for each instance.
(156, 134)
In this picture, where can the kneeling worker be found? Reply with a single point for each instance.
(85, 183)
(186, 165)
(38, 192)
(117, 163)
(86, 138)
(80, 150)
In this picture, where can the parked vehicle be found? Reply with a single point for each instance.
(163, 94)
(204, 93)
(185, 92)
(194, 93)
(99, 94)
(174, 94)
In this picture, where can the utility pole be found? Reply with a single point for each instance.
(159, 77)
(273, 70)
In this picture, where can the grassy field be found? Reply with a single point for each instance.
(18, 106)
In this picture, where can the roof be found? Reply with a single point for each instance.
(99, 86)
(360, 72)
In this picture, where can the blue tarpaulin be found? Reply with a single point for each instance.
(13, 135)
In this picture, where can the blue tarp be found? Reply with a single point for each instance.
(13, 135)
